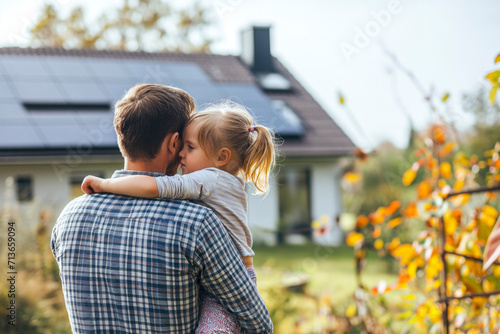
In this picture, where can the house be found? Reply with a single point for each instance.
(56, 126)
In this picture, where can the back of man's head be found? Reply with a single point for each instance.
(146, 115)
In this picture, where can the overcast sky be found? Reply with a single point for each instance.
(334, 46)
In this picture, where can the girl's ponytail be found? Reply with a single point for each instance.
(260, 157)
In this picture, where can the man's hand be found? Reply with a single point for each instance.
(92, 184)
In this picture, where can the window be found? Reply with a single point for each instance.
(24, 188)
(294, 203)
(76, 180)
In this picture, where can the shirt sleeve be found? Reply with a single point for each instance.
(198, 185)
(224, 276)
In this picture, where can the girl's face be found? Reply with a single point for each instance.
(193, 158)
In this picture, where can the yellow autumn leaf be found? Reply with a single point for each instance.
(394, 222)
(315, 224)
(497, 59)
(490, 211)
(403, 252)
(412, 269)
(493, 76)
(351, 311)
(341, 98)
(353, 238)
(352, 178)
(445, 97)
(493, 93)
(409, 176)
(445, 170)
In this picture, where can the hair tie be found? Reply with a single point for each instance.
(252, 128)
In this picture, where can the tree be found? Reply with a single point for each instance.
(144, 25)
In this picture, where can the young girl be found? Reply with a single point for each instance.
(222, 150)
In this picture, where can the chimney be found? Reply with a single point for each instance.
(256, 49)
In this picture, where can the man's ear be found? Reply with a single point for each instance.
(173, 143)
(223, 157)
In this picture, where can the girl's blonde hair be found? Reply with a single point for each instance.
(229, 125)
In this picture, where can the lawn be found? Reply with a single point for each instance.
(327, 269)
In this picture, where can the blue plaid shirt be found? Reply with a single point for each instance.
(135, 265)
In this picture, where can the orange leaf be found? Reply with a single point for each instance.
(362, 221)
(409, 176)
(497, 59)
(354, 238)
(411, 210)
(420, 152)
(447, 149)
(438, 134)
(423, 190)
(392, 207)
(376, 217)
(394, 222)
(446, 170)
(376, 232)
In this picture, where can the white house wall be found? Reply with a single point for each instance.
(263, 214)
(51, 188)
(326, 200)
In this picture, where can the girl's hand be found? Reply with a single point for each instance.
(92, 184)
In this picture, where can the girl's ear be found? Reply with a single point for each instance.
(223, 157)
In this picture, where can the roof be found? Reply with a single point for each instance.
(89, 82)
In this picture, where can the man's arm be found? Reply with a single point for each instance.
(224, 275)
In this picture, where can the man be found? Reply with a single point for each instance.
(134, 265)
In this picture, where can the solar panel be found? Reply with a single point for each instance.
(25, 66)
(188, 72)
(83, 92)
(6, 92)
(19, 136)
(11, 111)
(265, 113)
(46, 118)
(39, 91)
(75, 68)
(78, 81)
(63, 135)
(154, 72)
(202, 93)
(245, 92)
(109, 68)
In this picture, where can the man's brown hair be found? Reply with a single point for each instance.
(146, 115)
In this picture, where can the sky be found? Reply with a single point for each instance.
(361, 49)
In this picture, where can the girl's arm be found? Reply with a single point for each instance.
(132, 185)
(197, 185)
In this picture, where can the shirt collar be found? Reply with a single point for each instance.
(122, 172)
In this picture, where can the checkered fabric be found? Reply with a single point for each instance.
(134, 265)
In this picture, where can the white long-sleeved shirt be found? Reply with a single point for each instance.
(221, 192)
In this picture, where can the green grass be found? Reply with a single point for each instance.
(329, 269)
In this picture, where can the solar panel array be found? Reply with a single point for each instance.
(79, 80)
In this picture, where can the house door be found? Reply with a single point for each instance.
(294, 202)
